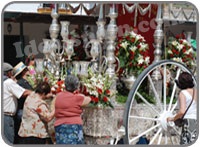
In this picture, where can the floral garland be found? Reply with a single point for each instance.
(133, 53)
(180, 50)
(97, 87)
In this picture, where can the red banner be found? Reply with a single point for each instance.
(145, 25)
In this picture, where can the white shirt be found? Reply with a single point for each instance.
(11, 92)
(192, 111)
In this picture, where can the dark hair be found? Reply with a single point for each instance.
(71, 83)
(43, 88)
(185, 81)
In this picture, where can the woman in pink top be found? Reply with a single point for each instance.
(68, 124)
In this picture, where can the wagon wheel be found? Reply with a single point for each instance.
(151, 114)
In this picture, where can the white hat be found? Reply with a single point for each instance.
(18, 68)
(7, 66)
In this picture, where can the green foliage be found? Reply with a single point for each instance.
(121, 98)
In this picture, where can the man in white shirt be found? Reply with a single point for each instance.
(11, 91)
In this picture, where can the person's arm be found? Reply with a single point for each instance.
(26, 93)
(182, 105)
(17, 90)
(44, 112)
(86, 100)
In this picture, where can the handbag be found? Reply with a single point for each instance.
(180, 122)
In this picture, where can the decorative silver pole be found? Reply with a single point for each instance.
(111, 36)
(158, 39)
(55, 45)
(100, 34)
(158, 35)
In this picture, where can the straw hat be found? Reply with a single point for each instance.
(18, 68)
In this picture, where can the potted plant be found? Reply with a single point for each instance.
(99, 116)
(133, 54)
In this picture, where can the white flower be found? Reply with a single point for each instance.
(170, 51)
(147, 60)
(174, 43)
(93, 92)
(133, 48)
(177, 59)
(185, 42)
(53, 89)
(93, 79)
(189, 51)
(140, 59)
(180, 47)
(133, 34)
(143, 46)
(124, 45)
(137, 37)
(141, 37)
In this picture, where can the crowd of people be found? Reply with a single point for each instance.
(26, 112)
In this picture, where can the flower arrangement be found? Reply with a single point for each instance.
(133, 53)
(180, 50)
(97, 87)
(56, 85)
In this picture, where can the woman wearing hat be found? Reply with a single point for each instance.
(187, 93)
(20, 72)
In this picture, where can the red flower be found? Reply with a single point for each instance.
(132, 57)
(188, 56)
(177, 52)
(45, 79)
(128, 37)
(105, 99)
(171, 55)
(183, 35)
(92, 98)
(183, 59)
(53, 92)
(61, 82)
(140, 40)
(139, 46)
(140, 65)
(96, 99)
(119, 45)
(132, 40)
(131, 64)
(145, 66)
(181, 41)
(177, 36)
(107, 91)
(99, 91)
(58, 90)
(184, 50)
(173, 50)
(132, 53)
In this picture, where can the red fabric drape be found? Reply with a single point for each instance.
(145, 25)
